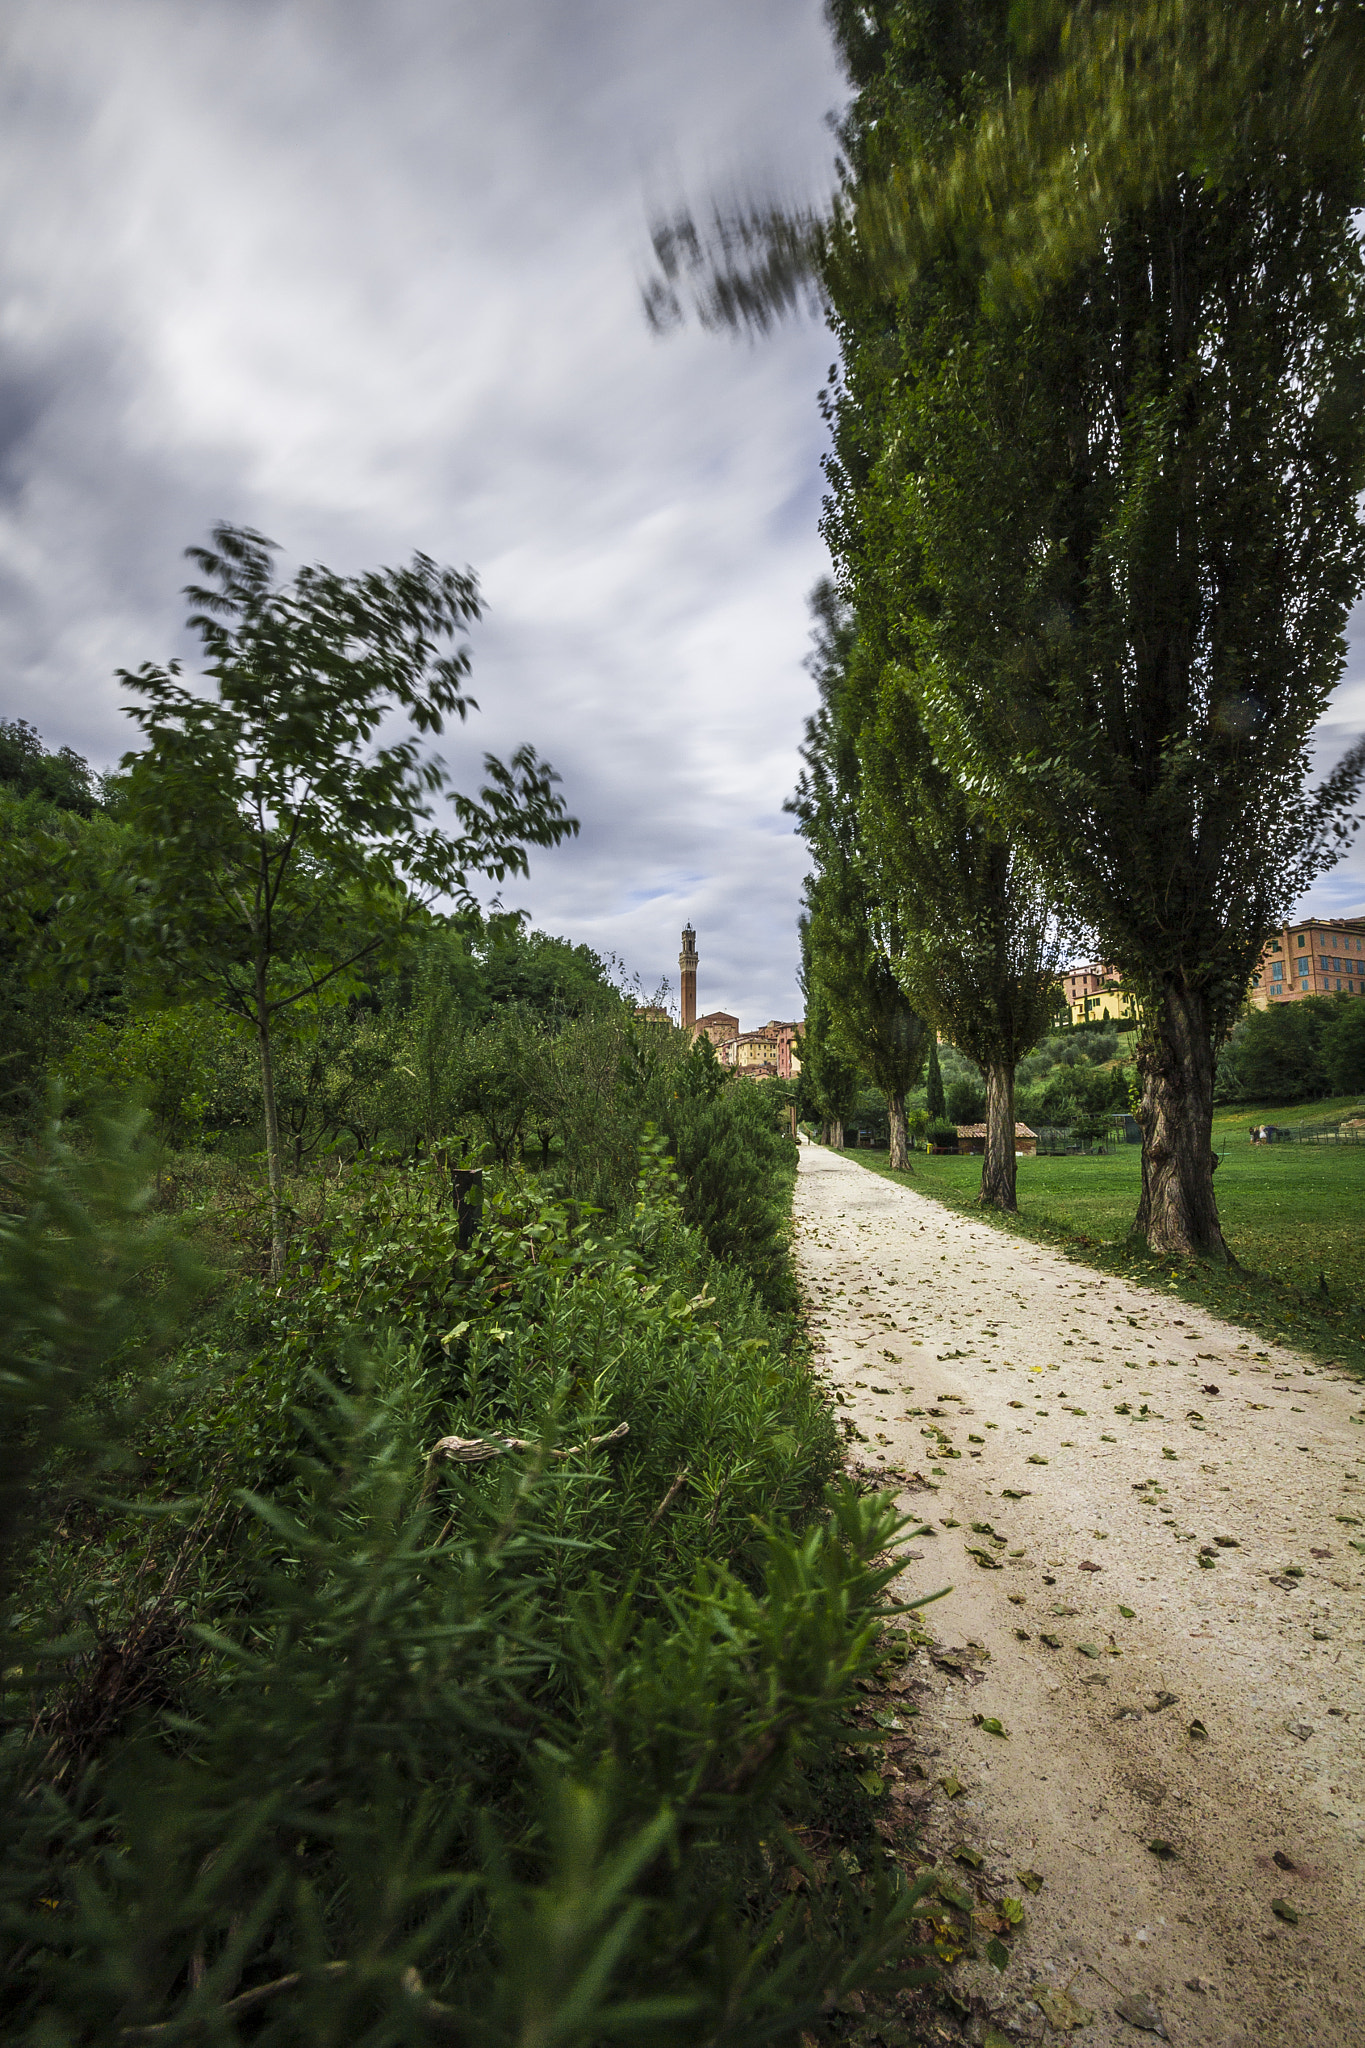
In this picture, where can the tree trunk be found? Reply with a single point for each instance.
(898, 1154)
(272, 1133)
(836, 1133)
(997, 1168)
(1175, 1062)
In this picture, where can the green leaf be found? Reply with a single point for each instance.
(997, 1955)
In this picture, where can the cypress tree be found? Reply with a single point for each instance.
(935, 1103)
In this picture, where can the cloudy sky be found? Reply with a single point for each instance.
(367, 277)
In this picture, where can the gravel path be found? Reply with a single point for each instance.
(1188, 1507)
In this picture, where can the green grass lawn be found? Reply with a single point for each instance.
(1290, 1213)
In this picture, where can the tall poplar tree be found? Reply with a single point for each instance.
(851, 939)
(1130, 523)
(1134, 505)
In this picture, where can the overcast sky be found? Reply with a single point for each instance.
(366, 277)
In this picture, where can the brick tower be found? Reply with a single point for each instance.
(687, 961)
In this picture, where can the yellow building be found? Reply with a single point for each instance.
(1095, 994)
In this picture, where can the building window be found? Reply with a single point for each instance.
(1277, 971)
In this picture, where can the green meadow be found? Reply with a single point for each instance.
(1293, 1215)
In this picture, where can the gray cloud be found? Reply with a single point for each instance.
(367, 278)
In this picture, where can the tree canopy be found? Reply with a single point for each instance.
(282, 837)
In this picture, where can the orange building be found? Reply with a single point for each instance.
(1318, 956)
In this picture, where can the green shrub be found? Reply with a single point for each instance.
(966, 1101)
(1343, 1049)
(488, 1753)
(1279, 1054)
(736, 1161)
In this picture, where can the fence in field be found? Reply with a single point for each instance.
(1100, 1135)
(1345, 1133)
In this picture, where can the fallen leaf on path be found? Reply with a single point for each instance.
(1087, 1566)
(1140, 2012)
(1013, 1493)
(1227, 1542)
(1036, 1460)
(984, 1559)
(1060, 2009)
(1210, 1389)
(1066, 1612)
(1283, 1580)
(1087, 1650)
(1198, 1728)
(1031, 1880)
(989, 1724)
(1162, 1849)
(1164, 1699)
(1013, 1910)
(1300, 1728)
(952, 1786)
(1128, 1613)
(1283, 1862)
(997, 1955)
(1282, 1910)
(952, 1893)
(872, 1781)
(1053, 1642)
(964, 1853)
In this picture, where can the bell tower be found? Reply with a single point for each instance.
(687, 962)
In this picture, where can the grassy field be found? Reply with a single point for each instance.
(1294, 1216)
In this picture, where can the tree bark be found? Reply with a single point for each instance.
(998, 1168)
(836, 1133)
(272, 1132)
(898, 1154)
(1178, 1213)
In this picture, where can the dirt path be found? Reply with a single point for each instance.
(1139, 1432)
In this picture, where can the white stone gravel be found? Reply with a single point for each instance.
(928, 1319)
